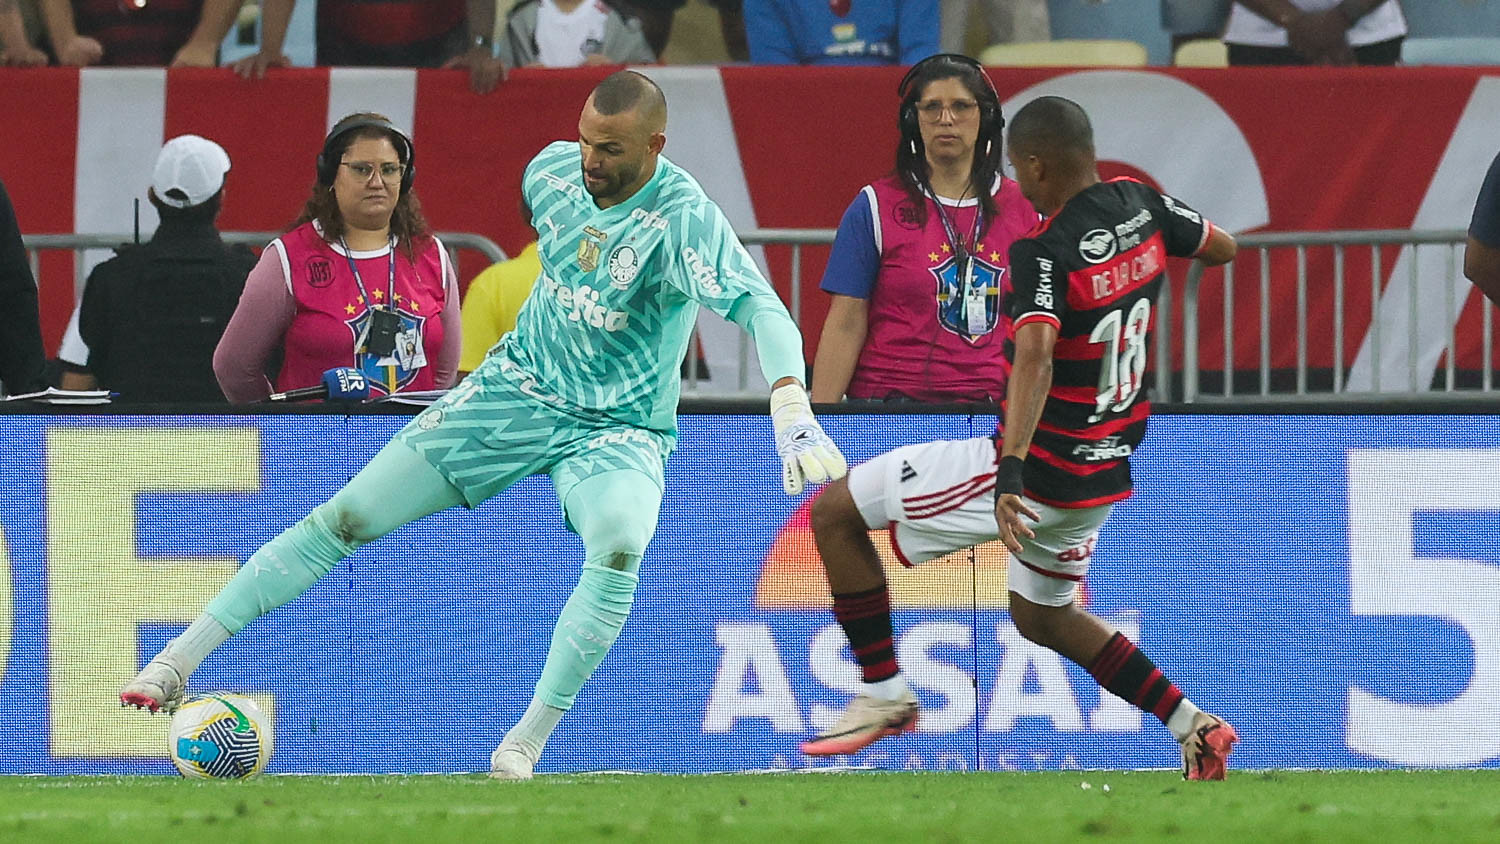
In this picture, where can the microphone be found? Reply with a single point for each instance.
(342, 383)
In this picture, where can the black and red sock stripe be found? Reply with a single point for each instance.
(866, 619)
(1122, 669)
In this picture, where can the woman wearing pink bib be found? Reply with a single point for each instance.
(921, 256)
(359, 282)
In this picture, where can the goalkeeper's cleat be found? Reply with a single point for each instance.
(158, 687)
(1205, 751)
(867, 720)
(510, 762)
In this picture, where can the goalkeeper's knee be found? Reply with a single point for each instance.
(616, 543)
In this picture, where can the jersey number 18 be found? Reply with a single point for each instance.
(1123, 365)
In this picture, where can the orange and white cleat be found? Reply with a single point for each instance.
(867, 720)
(1205, 752)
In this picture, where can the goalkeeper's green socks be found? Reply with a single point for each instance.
(589, 624)
(281, 570)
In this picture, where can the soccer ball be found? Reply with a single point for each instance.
(219, 737)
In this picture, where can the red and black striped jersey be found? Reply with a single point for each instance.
(1094, 270)
(138, 34)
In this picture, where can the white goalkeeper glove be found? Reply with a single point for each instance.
(807, 454)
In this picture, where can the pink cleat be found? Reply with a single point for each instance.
(1205, 752)
(867, 720)
(158, 687)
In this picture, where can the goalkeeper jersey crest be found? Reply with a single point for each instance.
(609, 318)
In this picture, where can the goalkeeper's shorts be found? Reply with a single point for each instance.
(496, 427)
(939, 497)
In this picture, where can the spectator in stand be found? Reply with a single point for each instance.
(491, 304)
(1482, 252)
(22, 361)
(388, 33)
(656, 22)
(152, 315)
(1004, 21)
(655, 17)
(570, 33)
(921, 256)
(1339, 32)
(732, 27)
(841, 31)
(360, 281)
(161, 33)
(16, 46)
(1191, 20)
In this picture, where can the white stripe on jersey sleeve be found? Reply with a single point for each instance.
(869, 192)
(443, 264)
(1208, 231)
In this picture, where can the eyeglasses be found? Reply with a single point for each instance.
(390, 172)
(932, 110)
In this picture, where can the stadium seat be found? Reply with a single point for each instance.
(1067, 52)
(1451, 51)
(1129, 20)
(1202, 52)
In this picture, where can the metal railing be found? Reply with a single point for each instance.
(1416, 249)
(1268, 247)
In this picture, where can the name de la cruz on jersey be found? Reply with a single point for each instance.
(1125, 261)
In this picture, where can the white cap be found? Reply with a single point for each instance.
(189, 171)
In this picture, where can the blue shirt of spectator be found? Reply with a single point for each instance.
(841, 31)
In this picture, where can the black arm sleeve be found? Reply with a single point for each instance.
(21, 358)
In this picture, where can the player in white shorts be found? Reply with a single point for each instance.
(939, 497)
(1080, 299)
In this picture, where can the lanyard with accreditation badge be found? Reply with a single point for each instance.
(973, 295)
(382, 335)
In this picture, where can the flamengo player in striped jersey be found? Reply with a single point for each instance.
(1084, 285)
(584, 389)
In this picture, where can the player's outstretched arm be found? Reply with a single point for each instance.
(1220, 248)
(807, 453)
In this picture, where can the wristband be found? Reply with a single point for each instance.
(1008, 476)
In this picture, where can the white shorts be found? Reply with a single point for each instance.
(939, 497)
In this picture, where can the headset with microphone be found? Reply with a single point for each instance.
(991, 122)
(328, 159)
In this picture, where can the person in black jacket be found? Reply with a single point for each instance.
(21, 356)
(152, 315)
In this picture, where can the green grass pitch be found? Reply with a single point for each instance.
(1270, 806)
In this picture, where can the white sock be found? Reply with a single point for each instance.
(198, 641)
(891, 688)
(530, 734)
(1180, 722)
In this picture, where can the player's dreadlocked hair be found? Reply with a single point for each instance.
(911, 155)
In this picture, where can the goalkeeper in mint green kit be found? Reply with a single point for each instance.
(584, 389)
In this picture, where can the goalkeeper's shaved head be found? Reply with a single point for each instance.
(1053, 129)
(626, 91)
(620, 134)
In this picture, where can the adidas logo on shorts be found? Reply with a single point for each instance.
(907, 472)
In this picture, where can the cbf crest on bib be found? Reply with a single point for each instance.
(389, 374)
(588, 248)
(969, 313)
